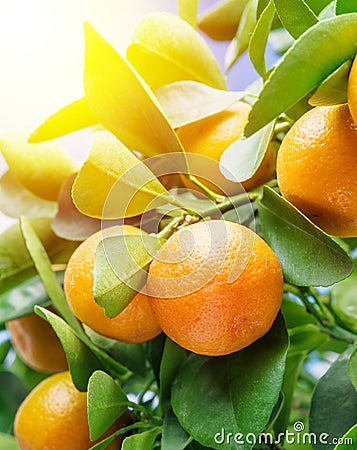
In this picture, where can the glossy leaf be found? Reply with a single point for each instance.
(259, 38)
(174, 437)
(43, 266)
(81, 360)
(345, 6)
(187, 101)
(116, 281)
(344, 300)
(349, 440)
(72, 117)
(236, 392)
(22, 298)
(16, 200)
(106, 402)
(165, 49)
(295, 314)
(221, 21)
(16, 264)
(5, 346)
(241, 40)
(28, 376)
(333, 90)
(122, 101)
(323, 48)
(241, 160)
(8, 442)
(131, 356)
(40, 168)
(113, 183)
(12, 393)
(141, 441)
(352, 368)
(71, 224)
(188, 11)
(172, 359)
(334, 392)
(306, 338)
(308, 256)
(295, 15)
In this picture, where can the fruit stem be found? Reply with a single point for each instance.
(231, 203)
(167, 231)
(210, 194)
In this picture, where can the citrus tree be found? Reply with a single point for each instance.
(194, 280)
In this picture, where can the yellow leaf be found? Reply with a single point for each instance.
(72, 117)
(165, 49)
(113, 183)
(40, 168)
(188, 11)
(122, 102)
(221, 21)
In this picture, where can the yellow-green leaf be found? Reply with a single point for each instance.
(122, 101)
(221, 21)
(114, 183)
(165, 49)
(72, 117)
(188, 11)
(40, 168)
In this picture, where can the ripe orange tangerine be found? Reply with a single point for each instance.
(316, 168)
(352, 91)
(54, 416)
(210, 137)
(215, 287)
(134, 324)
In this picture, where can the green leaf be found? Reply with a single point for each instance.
(113, 183)
(328, 11)
(131, 356)
(12, 393)
(21, 299)
(296, 16)
(334, 392)
(241, 40)
(8, 442)
(352, 368)
(15, 200)
(241, 160)
(187, 101)
(28, 376)
(81, 360)
(349, 440)
(72, 117)
(4, 349)
(188, 11)
(344, 300)
(308, 256)
(295, 315)
(221, 21)
(259, 38)
(174, 437)
(306, 338)
(122, 101)
(314, 56)
(165, 49)
(40, 168)
(69, 223)
(106, 402)
(333, 90)
(154, 353)
(44, 269)
(292, 370)
(16, 264)
(345, 6)
(141, 441)
(172, 359)
(117, 281)
(235, 393)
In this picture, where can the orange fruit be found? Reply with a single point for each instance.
(37, 344)
(215, 287)
(210, 137)
(54, 416)
(134, 324)
(316, 168)
(352, 91)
